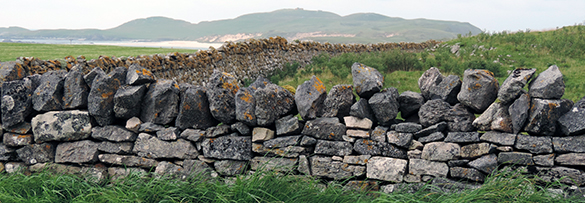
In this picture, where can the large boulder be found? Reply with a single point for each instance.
(100, 101)
(272, 102)
(339, 101)
(572, 123)
(228, 147)
(410, 102)
(479, 89)
(325, 128)
(126, 101)
(75, 90)
(49, 94)
(428, 81)
(518, 111)
(548, 85)
(149, 146)
(309, 98)
(221, 91)
(61, 126)
(433, 112)
(385, 106)
(246, 106)
(161, 103)
(366, 80)
(512, 86)
(194, 109)
(16, 101)
(138, 75)
(85, 151)
(544, 113)
(447, 89)
(362, 109)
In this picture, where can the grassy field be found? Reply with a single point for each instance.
(10, 51)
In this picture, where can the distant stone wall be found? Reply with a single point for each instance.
(107, 124)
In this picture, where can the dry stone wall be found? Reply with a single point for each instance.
(107, 124)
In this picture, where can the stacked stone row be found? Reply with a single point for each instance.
(107, 124)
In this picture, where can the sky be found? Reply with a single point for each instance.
(488, 15)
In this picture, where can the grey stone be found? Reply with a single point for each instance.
(355, 122)
(462, 137)
(49, 94)
(339, 101)
(168, 134)
(198, 168)
(534, 144)
(387, 169)
(138, 75)
(11, 70)
(126, 101)
(228, 147)
(324, 166)
(544, 160)
(241, 128)
(169, 170)
(273, 164)
(36, 153)
(467, 173)
(133, 124)
(479, 89)
(100, 101)
(288, 125)
(113, 133)
(290, 151)
(272, 102)
(260, 82)
(548, 85)
(419, 167)
(543, 116)
(506, 139)
(428, 81)
(21, 128)
(487, 163)
(127, 160)
(399, 139)
(447, 89)
(519, 112)
(572, 123)
(333, 148)
(230, 167)
(366, 80)
(84, 151)
(379, 134)
(512, 86)
(161, 102)
(362, 109)
(415, 145)
(460, 119)
(375, 148)
(309, 98)
(116, 147)
(16, 140)
(441, 151)
(61, 126)
(434, 137)
(221, 90)
(116, 173)
(151, 147)
(358, 133)
(408, 127)
(308, 141)
(325, 128)
(362, 185)
(569, 144)
(439, 127)
(414, 154)
(385, 106)
(561, 174)
(217, 131)
(304, 167)
(283, 141)
(6, 153)
(193, 135)
(246, 106)
(94, 73)
(194, 109)
(571, 159)
(458, 162)
(13, 167)
(433, 112)
(356, 159)
(476, 150)
(410, 102)
(517, 158)
(149, 127)
(16, 102)
(262, 134)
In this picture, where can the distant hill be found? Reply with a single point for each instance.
(292, 24)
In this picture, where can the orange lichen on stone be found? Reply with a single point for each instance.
(107, 95)
(476, 86)
(187, 107)
(319, 85)
(246, 97)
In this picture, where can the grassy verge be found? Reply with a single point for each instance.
(10, 51)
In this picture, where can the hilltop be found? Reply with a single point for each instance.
(293, 24)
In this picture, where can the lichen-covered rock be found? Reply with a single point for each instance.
(379, 134)
(543, 115)
(407, 127)
(100, 101)
(512, 86)
(161, 103)
(168, 134)
(467, 173)
(127, 100)
(479, 89)
(440, 151)
(85, 151)
(61, 126)
(387, 169)
(399, 139)
(6, 153)
(433, 137)
(517, 158)
(246, 106)
(339, 101)
(362, 109)
(487, 163)
(149, 127)
(375, 148)
(92, 75)
(193, 135)
(476, 150)
(366, 80)
(49, 94)
(36, 153)
(355, 122)
(561, 174)
(16, 101)
(128, 160)
(230, 167)
(428, 81)
(496, 117)
(221, 91)
(544, 160)
(447, 89)
(571, 159)
(288, 125)
(419, 167)
(310, 97)
(462, 137)
(534, 144)
(548, 85)
(433, 112)
(439, 127)
(460, 119)
(10, 71)
(518, 111)
(385, 106)
(75, 90)
(16, 140)
(325, 128)
(228, 147)
(116, 147)
(272, 102)
(560, 144)
(194, 109)
(333, 148)
(217, 131)
(262, 134)
(138, 75)
(283, 141)
(241, 128)
(572, 123)
(273, 164)
(324, 166)
(499, 138)
(410, 102)
(151, 147)
(359, 160)
(113, 133)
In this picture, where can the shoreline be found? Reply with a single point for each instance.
(165, 44)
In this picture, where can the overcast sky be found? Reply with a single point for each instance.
(490, 15)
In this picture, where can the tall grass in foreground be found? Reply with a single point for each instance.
(260, 187)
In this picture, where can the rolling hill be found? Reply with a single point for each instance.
(293, 24)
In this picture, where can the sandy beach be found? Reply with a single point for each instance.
(166, 44)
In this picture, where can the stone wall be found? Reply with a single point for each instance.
(107, 124)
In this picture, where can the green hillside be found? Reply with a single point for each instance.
(289, 23)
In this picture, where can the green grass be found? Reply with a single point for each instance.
(508, 186)
(10, 51)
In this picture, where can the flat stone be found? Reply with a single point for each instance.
(84, 151)
(355, 122)
(217, 131)
(517, 158)
(138, 75)
(273, 164)
(447, 89)
(487, 163)
(325, 128)
(512, 86)
(569, 144)
(518, 111)
(419, 167)
(193, 135)
(462, 137)
(127, 160)
(476, 150)
(323, 166)
(356, 159)
(410, 102)
(230, 167)
(149, 127)
(433, 112)
(362, 109)
(16, 140)
(379, 134)
(309, 98)
(272, 102)
(116, 147)
(375, 148)
(21, 128)
(439, 127)
(228, 147)
(61, 126)
(113, 133)
(333, 148)
(499, 138)
(366, 80)
(408, 127)
(221, 90)
(548, 85)
(385, 106)
(168, 134)
(572, 123)
(434, 137)
(387, 169)
(241, 128)
(36, 153)
(161, 102)
(561, 174)
(358, 133)
(288, 125)
(283, 141)
(399, 139)
(149, 146)
(308, 141)
(467, 173)
(458, 162)
(441, 151)
(534, 144)
(543, 115)
(544, 160)
(428, 81)
(262, 134)
(571, 159)
(478, 90)
(339, 101)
